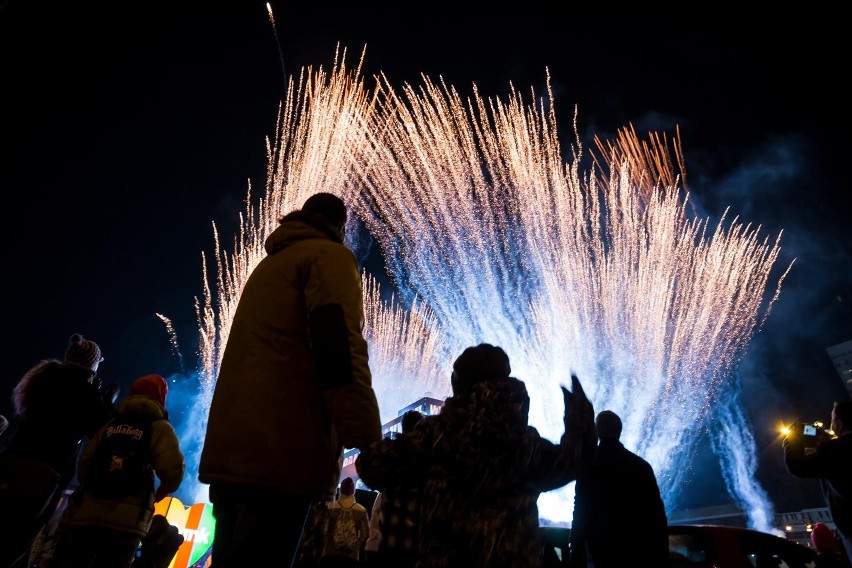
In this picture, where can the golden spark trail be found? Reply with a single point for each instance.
(489, 234)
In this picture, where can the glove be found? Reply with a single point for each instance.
(579, 420)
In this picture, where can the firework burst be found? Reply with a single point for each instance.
(488, 234)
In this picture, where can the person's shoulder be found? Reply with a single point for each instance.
(45, 365)
(645, 464)
(140, 407)
(639, 462)
(324, 252)
(161, 427)
(333, 248)
(69, 373)
(630, 454)
(616, 450)
(839, 445)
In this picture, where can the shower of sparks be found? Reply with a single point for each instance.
(407, 345)
(489, 235)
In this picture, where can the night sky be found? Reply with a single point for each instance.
(128, 129)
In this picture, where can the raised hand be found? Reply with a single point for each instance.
(579, 419)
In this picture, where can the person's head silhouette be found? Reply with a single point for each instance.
(347, 486)
(608, 425)
(478, 364)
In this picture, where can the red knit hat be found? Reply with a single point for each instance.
(154, 387)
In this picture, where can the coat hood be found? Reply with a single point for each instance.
(299, 226)
(154, 387)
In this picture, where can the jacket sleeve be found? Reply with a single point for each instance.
(376, 519)
(328, 518)
(94, 409)
(550, 465)
(556, 465)
(363, 527)
(86, 456)
(802, 464)
(403, 459)
(166, 458)
(336, 318)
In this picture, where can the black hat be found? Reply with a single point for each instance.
(328, 206)
(478, 364)
(410, 420)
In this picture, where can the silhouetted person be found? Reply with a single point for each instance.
(396, 515)
(113, 506)
(480, 466)
(56, 404)
(619, 515)
(337, 552)
(831, 463)
(294, 388)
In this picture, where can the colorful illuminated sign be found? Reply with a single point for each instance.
(196, 524)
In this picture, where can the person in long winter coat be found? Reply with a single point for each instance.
(481, 466)
(294, 388)
(105, 531)
(616, 487)
(831, 463)
(57, 404)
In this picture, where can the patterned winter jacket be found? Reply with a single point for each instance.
(482, 469)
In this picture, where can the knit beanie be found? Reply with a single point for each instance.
(154, 387)
(83, 352)
(481, 363)
(410, 420)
